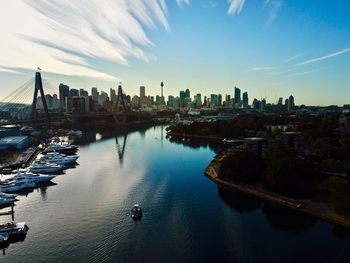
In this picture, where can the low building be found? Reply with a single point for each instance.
(15, 142)
(255, 144)
(292, 140)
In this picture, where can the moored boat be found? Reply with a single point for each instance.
(14, 230)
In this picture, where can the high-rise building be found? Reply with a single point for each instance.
(219, 100)
(83, 93)
(182, 98)
(214, 100)
(171, 101)
(64, 95)
(198, 101)
(187, 93)
(245, 100)
(73, 93)
(142, 92)
(280, 101)
(112, 95)
(94, 94)
(237, 95)
(291, 103)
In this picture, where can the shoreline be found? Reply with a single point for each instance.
(185, 135)
(304, 206)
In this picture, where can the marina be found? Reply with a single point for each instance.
(45, 165)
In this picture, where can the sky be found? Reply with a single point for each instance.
(270, 48)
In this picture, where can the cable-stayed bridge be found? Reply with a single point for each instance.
(28, 105)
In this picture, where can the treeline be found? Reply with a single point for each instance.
(279, 170)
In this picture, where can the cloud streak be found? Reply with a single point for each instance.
(262, 68)
(235, 7)
(64, 37)
(274, 8)
(318, 59)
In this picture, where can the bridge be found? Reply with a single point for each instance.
(18, 108)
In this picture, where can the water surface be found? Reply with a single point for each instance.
(85, 216)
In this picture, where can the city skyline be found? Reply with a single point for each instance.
(249, 44)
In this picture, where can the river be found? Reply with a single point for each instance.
(85, 215)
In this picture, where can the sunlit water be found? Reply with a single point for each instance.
(85, 217)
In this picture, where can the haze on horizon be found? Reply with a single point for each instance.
(270, 48)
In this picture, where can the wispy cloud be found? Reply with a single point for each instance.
(182, 2)
(274, 8)
(335, 54)
(235, 7)
(303, 73)
(292, 58)
(65, 36)
(210, 4)
(262, 68)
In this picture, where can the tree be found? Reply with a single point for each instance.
(241, 167)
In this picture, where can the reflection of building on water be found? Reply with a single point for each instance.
(121, 147)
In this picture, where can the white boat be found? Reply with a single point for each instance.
(59, 158)
(8, 196)
(62, 148)
(5, 201)
(45, 168)
(11, 187)
(36, 178)
(14, 229)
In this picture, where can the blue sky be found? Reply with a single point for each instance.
(270, 48)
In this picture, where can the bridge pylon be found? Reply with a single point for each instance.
(39, 88)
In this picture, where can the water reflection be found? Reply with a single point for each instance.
(195, 143)
(237, 201)
(287, 220)
(121, 146)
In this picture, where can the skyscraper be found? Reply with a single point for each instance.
(83, 93)
(280, 101)
(64, 95)
(237, 97)
(94, 94)
(187, 93)
(142, 92)
(112, 95)
(73, 93)
(245, 100)
(182, 98)
(291, 103)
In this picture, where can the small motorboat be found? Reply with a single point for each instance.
(136, 212)
(36, 178)
(14, 230)
(6, 202)
(46, 168)
(6, 171)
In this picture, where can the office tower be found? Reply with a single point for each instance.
(112, 95)
(256, 104)
(263, 104)
(245, 100)
(286, 103)
(219, 100)
(171, 101)
(83, 93)
(198, 100)
(64, 95)
(94, 94)
(102, 98)
(142, 92)
(227, 99)
(291, 103)
(182, 98)
(237, 95)
(280, 101)
(187, 93)
(214, 100)
(73, 93)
